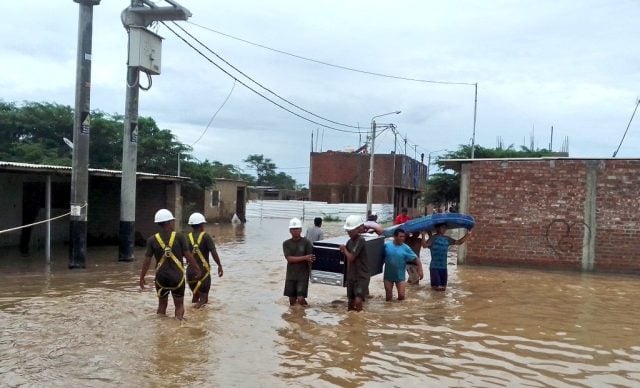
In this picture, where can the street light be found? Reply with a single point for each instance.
(429, 161)
(371, 158)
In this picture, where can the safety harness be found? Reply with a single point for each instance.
(205, 262)
(168, 254)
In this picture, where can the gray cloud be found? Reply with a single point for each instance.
(571, 65)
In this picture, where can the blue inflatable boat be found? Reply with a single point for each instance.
(428, 223)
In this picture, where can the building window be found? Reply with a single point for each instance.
(215, 198)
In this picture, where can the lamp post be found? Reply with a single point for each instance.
(371, 158)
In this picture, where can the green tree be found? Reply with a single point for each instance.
(444, 187)
(266, 173)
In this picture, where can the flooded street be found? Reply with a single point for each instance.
(492, 327)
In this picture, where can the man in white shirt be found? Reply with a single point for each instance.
(315, 233)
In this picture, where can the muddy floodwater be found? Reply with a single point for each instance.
(492, 327)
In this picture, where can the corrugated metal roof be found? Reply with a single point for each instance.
(29, 167)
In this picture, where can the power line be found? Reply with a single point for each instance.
(627, 130)
(258, 83)
(330, 64)
(215, 114)
(252, 89)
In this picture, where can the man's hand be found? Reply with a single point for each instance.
(142, 283)
(420, 274)
(198, 274)
(342, 248)
(220, 271)
(311, 258)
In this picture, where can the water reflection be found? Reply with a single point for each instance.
(492, 327)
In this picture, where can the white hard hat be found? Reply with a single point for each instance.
(163, 215)
(295, 224)
(197, 219)
(352, 222)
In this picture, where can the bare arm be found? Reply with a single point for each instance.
(350, 256)
(463, 239)
(216, 258)
(143, 272)
(300, 259)
(192, 262)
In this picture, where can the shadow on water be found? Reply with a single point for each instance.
(492, 327)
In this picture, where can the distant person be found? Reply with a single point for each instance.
(372, 225)
(397, 255)
(315, 232)
(415, 241)
(357, 263)
(439, 244)
(201, 245)
(168, 247)
(299, 254)
(402, 217)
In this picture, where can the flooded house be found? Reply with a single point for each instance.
(226, 198)
(24, 189)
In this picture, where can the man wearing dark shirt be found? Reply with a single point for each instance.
(299, 254)
(201, 245)
(357, 263)
(168, 248)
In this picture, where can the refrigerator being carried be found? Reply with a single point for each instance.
(330, 265)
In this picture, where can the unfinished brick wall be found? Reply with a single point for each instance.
(549, 213)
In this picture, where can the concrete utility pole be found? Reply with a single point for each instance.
(81, 130)
(144, 55)
(372, 158)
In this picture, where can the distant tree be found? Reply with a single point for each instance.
(444, 187)
(266, 173)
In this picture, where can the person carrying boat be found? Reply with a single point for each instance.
(168, 247)
(299, 254)
(201, 245)
(415, 241)
(358, 275)
(439, 244)
(397, 255)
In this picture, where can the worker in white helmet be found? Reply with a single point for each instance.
(168, 247)
(299, 254)
(201, 246)
(357, 263)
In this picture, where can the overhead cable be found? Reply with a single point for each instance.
(252, 89)
(331, 64)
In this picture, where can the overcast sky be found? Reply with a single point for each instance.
(571, 64)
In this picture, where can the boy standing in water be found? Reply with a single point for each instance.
(357, 263)
(397, 255)
(299, 254)
(439, 245)
(201, 245)
(168, 247)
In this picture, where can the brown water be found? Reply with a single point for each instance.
(492, 327)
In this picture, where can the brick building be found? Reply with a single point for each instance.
(22, 196)
(343, 177)
(573, 213)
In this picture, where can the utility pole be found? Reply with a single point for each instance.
(415, 152)
(372, 157)
(395, 151)
(371, 165)
(144, 56)
(405, 145)
(475, 110)
(81, 131)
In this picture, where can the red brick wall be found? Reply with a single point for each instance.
(618, 216)
(532, 213)
(344, 177)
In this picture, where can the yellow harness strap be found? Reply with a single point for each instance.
(205, 263)
(168, 253)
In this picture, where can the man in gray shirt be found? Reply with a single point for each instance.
(314, 233)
